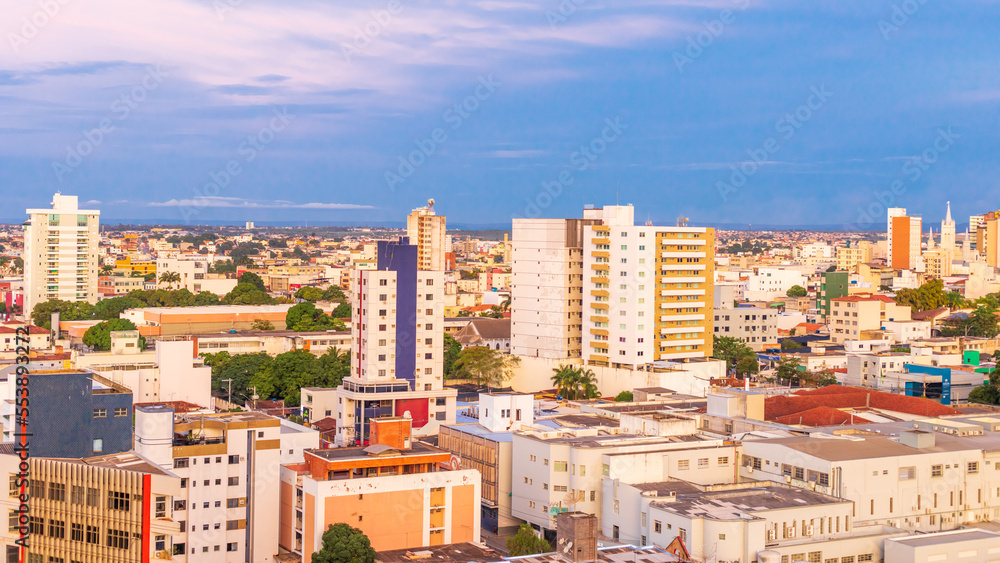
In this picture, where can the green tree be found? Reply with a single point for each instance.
(487, 367)
(41, 315)
(981, 322)
(204, 298)
(241, 368)
(494, 313)
(310, 293)
(789, 344)
(797, 291)
(106, 270)
(284, 377)
(342, 311)
(452, 349)
(747, 366)
(625, 397)
(985, 395)
(832, 268)
(306, 317)
(789, 368)
(170, 278)
(262, 324)
(526, 542)
(954, 300)
(107, 309)
(98, 336)
(247, 294)
(343, 543)
(731, 350)
(930, 295)
(575, 383)
(222, 266)
(334, 293)
(252, 279)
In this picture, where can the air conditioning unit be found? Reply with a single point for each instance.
(749, 469)
(788, 478)
(812, 485)
(791, 532)
(771, 534)
(810, 530)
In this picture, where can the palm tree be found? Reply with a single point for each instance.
(106, 270)
(505, 304)
(588, 383)
(565, 380)
(170, 278)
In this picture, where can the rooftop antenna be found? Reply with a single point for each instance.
(682, 221)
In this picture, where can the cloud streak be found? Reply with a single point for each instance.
(240, 203)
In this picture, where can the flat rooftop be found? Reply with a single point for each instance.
(469, 552)
(944, 538)
(343, 454)
(736, 503)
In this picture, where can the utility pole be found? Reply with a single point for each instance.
(229, 394)
(254, 397)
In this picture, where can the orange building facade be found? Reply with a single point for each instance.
(400, 494)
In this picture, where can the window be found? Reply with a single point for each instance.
(232, 524)
(234, 481)
(723, 461)
(232, 546)
(57, 529)
(76, 495)
(972, 467)
(121, 411)
(657, 526)
(936, 471)
(180, 463)
(702, 462)
(57, 491)
(117, 539)
(234, 459)
(98, 446)
(119, 501)
(683, 464)
(233, 503)
(76, 532)
(559, 466)
(180, 505)
(93, 535)
(100, 413)
(907, 473)
(92, 496)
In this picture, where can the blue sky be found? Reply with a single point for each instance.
(731, 111)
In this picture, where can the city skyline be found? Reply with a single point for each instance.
(383, 107)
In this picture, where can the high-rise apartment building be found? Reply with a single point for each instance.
(60, 253)
(647, 290)
(849, 257)
(988, 238)
(397, 343)
(229, 465)
(426, 230)
(547, 287)
(903, 236)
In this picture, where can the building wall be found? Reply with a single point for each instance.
(547, 287)
(61, 253)
(73, 432)
(396, 512)
(755, 327)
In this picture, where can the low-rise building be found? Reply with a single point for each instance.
(397, 491)
(757, 328)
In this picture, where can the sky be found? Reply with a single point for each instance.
(723, 111)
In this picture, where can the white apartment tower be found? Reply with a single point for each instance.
(397, 338)
(647, 290)
(547, 287)
(60, 253)
(426, 230)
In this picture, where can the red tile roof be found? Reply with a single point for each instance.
(821, 416)
(11, 328)
(865, 297)
(839, 396)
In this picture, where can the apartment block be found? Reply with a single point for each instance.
(547, 287)
(229, 465)
(832, 286)
(427, 231)
(903, 236)
(194, 275)
(756, 327)
(849, 257)
(60, 253)
(647, 290)
(397, 347)
(113, 508)
(395, 491)
(851, 315)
